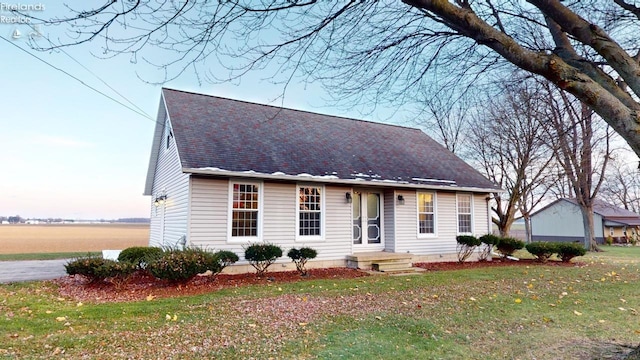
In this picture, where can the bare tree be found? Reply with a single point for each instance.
(509, 146)
(622, 185)
(581, 150)
(446, 118)
(377, 51)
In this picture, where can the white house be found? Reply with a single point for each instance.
(225, 173)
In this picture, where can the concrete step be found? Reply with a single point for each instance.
(390, 266)
(366, 260)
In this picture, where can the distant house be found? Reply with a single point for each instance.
(225, 173)
(562, 221)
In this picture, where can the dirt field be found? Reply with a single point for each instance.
(18, 239)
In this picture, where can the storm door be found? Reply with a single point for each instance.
(367, 220)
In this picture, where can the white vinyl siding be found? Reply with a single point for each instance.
(480, 215)
(169, 220)
(464, 206)
(210, 211)
(407, 238)
(390, 204)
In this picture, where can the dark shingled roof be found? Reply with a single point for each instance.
(610, 212)
(239, 136)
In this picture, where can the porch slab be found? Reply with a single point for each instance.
(379, 260)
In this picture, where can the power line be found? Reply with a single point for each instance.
(141, 113)
(91, 72)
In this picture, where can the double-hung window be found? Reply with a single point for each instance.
(310, 212)
(426, 213)
(464, 214)
(245, 210)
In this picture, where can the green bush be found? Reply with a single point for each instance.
(300, 258)
(543, 250)
(466, 245)
(489, 240)
(140, 256)
(567, 251)
(96, 269)
(261, 256)
(226, 258)
(180, 266)
(609, 240)
(508, 245)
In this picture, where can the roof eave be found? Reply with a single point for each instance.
(337, 181)
(155, 147)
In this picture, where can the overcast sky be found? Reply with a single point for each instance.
(68, 151)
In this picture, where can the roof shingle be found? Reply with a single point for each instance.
(239, 136)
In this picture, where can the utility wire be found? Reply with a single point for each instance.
(80, 81)
(91, 72)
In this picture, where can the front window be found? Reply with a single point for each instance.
(310, 209)
(426, 213)
(245, 210)
(464, 214)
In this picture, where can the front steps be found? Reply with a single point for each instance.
(384, 262)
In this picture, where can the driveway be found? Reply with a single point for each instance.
(29, 270)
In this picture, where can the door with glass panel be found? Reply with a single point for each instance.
(367, 221)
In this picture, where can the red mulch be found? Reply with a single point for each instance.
(141, 286)
(454, 265)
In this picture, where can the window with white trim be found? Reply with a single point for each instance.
(464, 214)
(310, 208)
(245, 210)
(426, 213)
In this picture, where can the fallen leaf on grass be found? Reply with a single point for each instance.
(61, 318)
(577, 312)
(518, 301)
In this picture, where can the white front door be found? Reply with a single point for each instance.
(367, 221)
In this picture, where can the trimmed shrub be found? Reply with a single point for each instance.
(226, 258)
(140, 256)
(466, 245)
(300, 258)
(261, 256)
(508, 245)
(96, 269)
(567, 251)
(489, 240)
(180, 266)
(543, 250)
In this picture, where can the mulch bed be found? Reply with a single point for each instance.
(141, 286)
(454, 265)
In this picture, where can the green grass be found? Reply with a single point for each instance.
(46, 256)
(518, 312)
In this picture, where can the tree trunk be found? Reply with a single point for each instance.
(527, 228)
(589, 231)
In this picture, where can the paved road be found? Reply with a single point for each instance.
(28, 270)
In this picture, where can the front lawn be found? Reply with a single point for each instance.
(519, 312)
